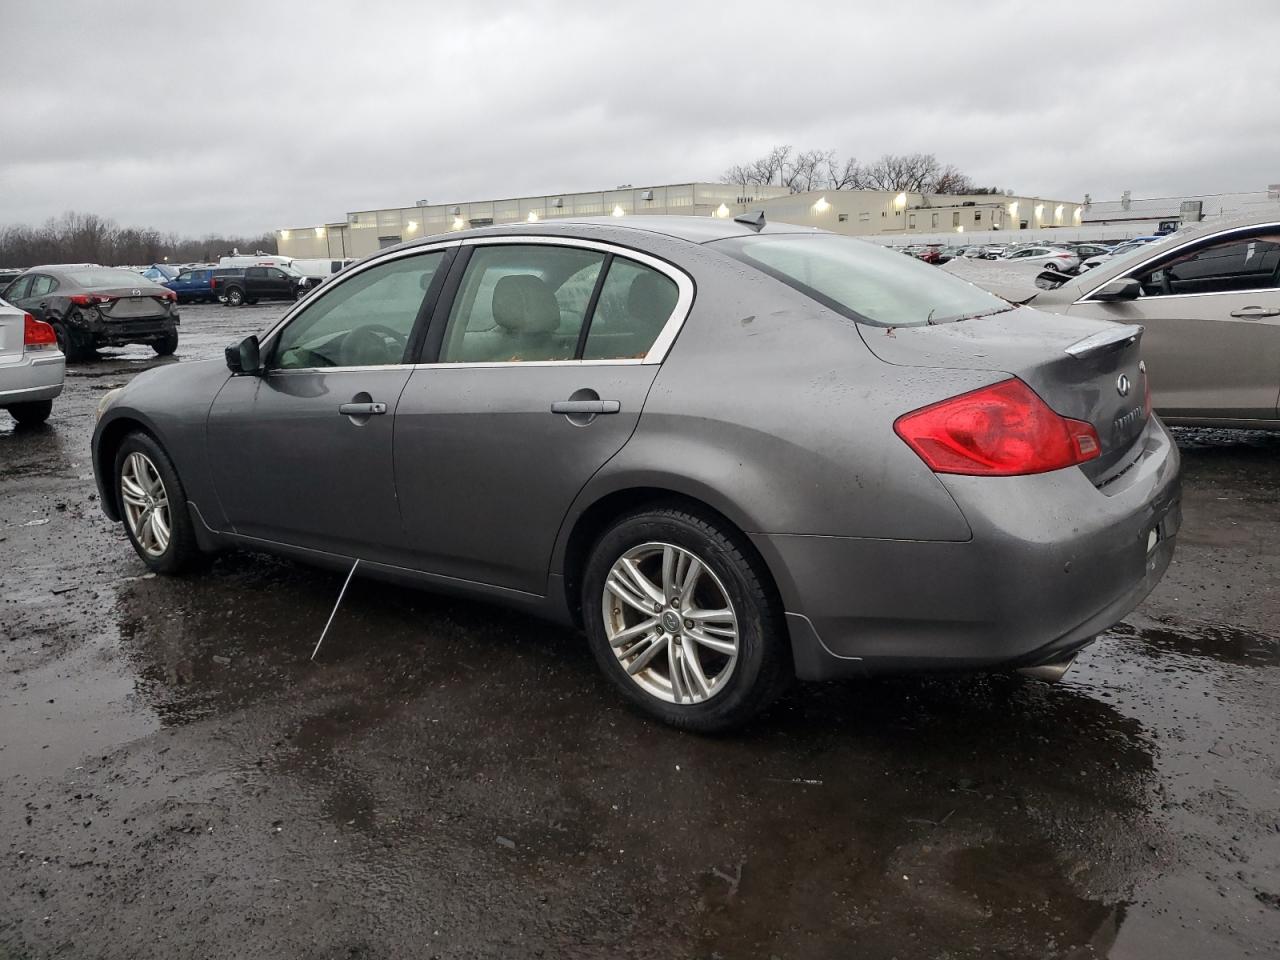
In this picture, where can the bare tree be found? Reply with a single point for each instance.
(848, 175)
(951, 180)
(808, 171)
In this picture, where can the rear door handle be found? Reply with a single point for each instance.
(581, 407)
(362, 409)
(1256, 313)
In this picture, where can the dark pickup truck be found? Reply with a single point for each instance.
(251, 284)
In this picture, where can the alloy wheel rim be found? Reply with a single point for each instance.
(146, 504)
(670, 623)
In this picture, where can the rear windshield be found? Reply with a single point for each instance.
(104, 277)
(864, 281)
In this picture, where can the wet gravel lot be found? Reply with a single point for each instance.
(448, 779)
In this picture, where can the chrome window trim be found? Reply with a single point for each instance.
(1263, 225)
(657, 352)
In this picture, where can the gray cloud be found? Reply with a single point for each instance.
(249, 116)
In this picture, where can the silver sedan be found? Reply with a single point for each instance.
(31, 366)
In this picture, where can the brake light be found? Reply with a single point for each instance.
(1003, 430)
(36, 334)
(170, 295)
(88, 299)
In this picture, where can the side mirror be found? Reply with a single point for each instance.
(1122, 288)
(244, 357)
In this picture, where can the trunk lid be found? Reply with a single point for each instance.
(1083, 368)
(150, 302)
(12, 334)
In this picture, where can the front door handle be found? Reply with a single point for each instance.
(362, 409)
(586, 407)
(1256, 313)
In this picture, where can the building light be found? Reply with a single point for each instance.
(721, 211)
(821, 206)
(618, 211)
(411, 226)
(1013, 209)
(900, 201)
(1057, 213)
(533, 216)
(284, 234)
(457, 223)
(1039, 212)
(1079, 214)
(319, 231)
(960, 229)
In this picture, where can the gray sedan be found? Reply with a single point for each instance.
(1209, 299)
(731, 453)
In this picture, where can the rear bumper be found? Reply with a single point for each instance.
(1053, 562)
(33, 378)
(113, 332)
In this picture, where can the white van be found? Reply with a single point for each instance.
(257, 260)
(321, 268)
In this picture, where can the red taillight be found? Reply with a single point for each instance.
(1003, 430)
(37, 333)
(170, 295)
(88, 299)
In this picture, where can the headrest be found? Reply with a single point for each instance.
(524, 304)
(650, 297)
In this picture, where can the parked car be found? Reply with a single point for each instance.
(92, 306)
(242, 260)
(1119, 250)
(238, 287)
(932, 253)
(1209, 300)
(1086, 250)
(160, 273)
(8, 276)
(712, 534)
(994, 251)
(31, 366)
(194, 285)
(1046, 258)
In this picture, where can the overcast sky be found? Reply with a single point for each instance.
(250, 117)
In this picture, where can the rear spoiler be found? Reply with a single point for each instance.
(1106, 341)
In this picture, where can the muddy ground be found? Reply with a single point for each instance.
(177, 780)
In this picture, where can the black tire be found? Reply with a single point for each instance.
(31, 413)
(763, 667)
(235, 297)
(166, 346)
(74, 344)
(182, 552)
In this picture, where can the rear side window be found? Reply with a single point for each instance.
(520, 303)
(1237, 264)
(863, 281)
(635, 304)
(42, 285)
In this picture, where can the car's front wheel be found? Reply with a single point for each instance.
(153, 506)
(683, 619)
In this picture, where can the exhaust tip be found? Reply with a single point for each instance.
(1048, 672)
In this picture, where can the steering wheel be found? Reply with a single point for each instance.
(366, 346)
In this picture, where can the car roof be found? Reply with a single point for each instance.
(691, 229)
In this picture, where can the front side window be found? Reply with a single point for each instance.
(521, 302)
(863, 281)
(363, 322)
(18, 289)
(1224, 266)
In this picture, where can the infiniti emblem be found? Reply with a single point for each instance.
(1122, 385)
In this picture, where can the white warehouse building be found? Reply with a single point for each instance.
(869, 213)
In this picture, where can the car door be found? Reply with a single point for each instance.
(1212, 315)
(279, 284)
(37, 298)
(302, 454)
(17, 292)
(537, 372)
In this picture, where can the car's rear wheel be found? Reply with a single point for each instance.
(683, 619)
(235, 297)
(31, 413)
(165, 346)
(76, 346)
(153, 506)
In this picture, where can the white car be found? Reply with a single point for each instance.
(31, 366)
(1044, 258)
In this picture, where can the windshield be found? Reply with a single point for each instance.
(862, 280)
(105, 277)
